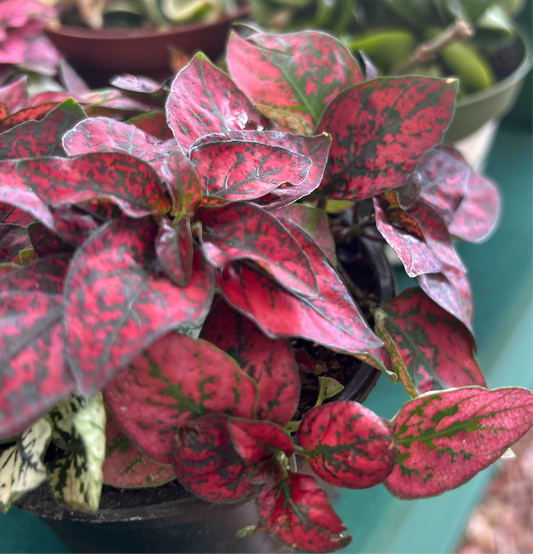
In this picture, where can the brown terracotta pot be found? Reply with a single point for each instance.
(98, 55)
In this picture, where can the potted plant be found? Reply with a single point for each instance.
(101, 39)
(136, 235)
(477, 42)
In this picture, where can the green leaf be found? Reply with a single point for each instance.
(75, 478)
(21, 467)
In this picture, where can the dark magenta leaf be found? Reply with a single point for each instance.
(415, 255)
(46, 275)
(300, 73)
(9, 214)
(183, 183)
(315, 221)
(348, 445)
(430, 348)
(241, 231)
(102, 134)
(175, 380)
(45, 242)
(115, 273)
(256, 441)
(153, 123)
(269, 362)
(409, 116)
(15, 95)
(127, 467)
(204, 100)
(332, 319)
(123, 179)
(33, 139)
(72, 224)
(206, 463)
(13, 239)
(237, 170)
(315, 148)
(298, 513)
(445, 438)
(174, 246)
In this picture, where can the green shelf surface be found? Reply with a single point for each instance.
(501, 272)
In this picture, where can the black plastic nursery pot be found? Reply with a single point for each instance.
(168, 518)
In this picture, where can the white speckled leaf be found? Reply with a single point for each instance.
(21, 468)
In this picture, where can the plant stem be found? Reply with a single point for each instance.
(460, 29)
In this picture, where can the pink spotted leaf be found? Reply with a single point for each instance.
(153, 123)
(28, 114)
(15, 95)
(70, 80)
(45, 242)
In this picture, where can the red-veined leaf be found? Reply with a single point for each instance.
(445, 438)
(298, 513)
(348, 445)
(414, 253)
(183, 183)
(237, 170)
(123, 179)
(127, 467)
(269, 362)
(206, 463)
(332, 319)
(432, 349)
(27, 114)
(242, 231)
(70, 79)
(205, 100)
(174, 246)
(409, 116)
(315, 221)
(153, 123)
(175, 380)
(315, 148)
(300, 72)
(101, 134)
(256, 441)
(451, 290)
(13, 239)
(117, 303)
(15, 95)
(45, 242)
(9, 214)
(33, 139)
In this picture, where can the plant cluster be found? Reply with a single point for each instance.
(174, 260)
(470, 39)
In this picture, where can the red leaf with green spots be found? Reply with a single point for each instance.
(72, 224)
(153, 123)
(33, 371)
(206, 463)
(70, 80)
(237, 170)
(183, 183)
(127, 467)
(451, 290)
(27, 114)
(127, 181)
(15, 95)
(256, 441)
(117, 302)
(315, 148)
(9, 214)
(380, 128)
(298, 513)
(101, 134)
(15, 193)
(433, 350)
(175, 380)
(13, 239)
(45, 242)
(315, 221)
(332, 319)
(300, 73)
(269, 362)
(478, 215)
(445, 438)
(174, 246)
(415, 255)
(33, 139)
(245, 232)
(348, 445)
(204, 100)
